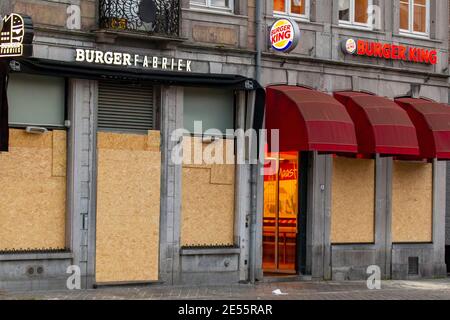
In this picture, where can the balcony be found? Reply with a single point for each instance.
(160, 18)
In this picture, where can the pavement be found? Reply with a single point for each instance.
(438, 289)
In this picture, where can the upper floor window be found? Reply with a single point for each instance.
(354, 12)
(299, 8)
(219, 5)
(415, 17)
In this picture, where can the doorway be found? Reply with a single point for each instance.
(284, 217)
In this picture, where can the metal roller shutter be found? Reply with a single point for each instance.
(125, 107)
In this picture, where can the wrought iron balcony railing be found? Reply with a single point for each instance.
(157, 17)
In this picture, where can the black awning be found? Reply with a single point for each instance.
(78, 70)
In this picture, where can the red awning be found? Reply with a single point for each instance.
(381, 126)
(309, 120)
(432, 121)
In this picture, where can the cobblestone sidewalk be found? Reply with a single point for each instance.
(391, 290)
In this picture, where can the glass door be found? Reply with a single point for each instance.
(280, 228)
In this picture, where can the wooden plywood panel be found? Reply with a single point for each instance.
(208, 199)
(412, 202)
(197, 153)
(353, 201)
(33, 206)
(128, 208)
(59, 153)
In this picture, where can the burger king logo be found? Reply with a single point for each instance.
(284, 35)
(350, 46)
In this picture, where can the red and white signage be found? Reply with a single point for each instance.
(284, 35)
(376, 49)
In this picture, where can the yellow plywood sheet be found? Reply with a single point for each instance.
(412, 202)
(154, 141)
(128, 208)
(119, 141)
(59, 153)
(198, 153)
(20, 138)
(353, 201)
(33, 205)
(208, 198)
(222, 174)
(207, 210)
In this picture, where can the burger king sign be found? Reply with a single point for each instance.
(284, 35)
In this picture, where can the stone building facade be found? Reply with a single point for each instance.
(220, 41)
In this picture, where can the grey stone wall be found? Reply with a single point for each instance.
(447, 220)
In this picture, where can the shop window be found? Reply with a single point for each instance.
(415, 17)
(208, 173)
(353, 201)
(412, 202)
(295, 8)
(213, 107)
(219, 5)
(354, 13)
(128, 183)
(34, 170)
(36, 100)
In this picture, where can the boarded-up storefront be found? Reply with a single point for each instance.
(412, 202)
(33, 172)
(128, 185)
(353, 201)
(208, 177)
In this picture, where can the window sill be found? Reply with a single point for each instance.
(211, 11)
(355, 27)
(36, 256)
(298, 18)
(303, 23)
(407, 35)
(209, 251)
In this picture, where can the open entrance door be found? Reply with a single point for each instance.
(281, 213)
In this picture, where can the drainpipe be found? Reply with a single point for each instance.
(258, 40)
(255, 168)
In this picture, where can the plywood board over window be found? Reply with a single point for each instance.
(33, 191)
(412, 202)
(208, 191)
(353, 201)
(128, 207)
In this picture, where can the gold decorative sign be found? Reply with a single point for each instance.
(16, 36)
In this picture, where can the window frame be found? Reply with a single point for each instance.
(410, 31)
(352, 23)
(288, 13)
(209, 7)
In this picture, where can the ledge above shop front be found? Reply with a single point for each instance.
(115, 37)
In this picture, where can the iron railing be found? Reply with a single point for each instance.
(158, 17)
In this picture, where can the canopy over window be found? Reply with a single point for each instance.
(381, 126)
(309, 120)
(432, 122)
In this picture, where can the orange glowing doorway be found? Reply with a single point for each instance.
(281, 216)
